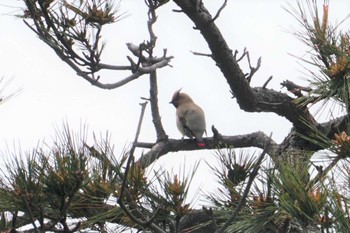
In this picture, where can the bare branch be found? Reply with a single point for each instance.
(242, 56)
(200, 54)
(157, 122)
(124, 183)
(141, 71)
(132, 150)
(257, 139)
(101, 66)
(219, 11)
(253, 70)
(267, 82)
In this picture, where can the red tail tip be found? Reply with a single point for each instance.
(201, 144)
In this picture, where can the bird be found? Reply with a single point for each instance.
(190, 118)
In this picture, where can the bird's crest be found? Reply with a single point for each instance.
(176, 97)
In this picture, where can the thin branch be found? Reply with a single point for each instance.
(132, 150)
(101, 66)
(152, 18)
(124, 183)
(219, 11)
(267, 82)
(157, 122)
(322, 174)
(200, 54)
(242, 56)
(246, 190)
(177, 11)
(253, 70)
(138, 73)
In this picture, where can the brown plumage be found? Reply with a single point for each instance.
(190, 118)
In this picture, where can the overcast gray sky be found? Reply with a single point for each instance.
(53, 94)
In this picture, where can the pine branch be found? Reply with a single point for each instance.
(246, 190)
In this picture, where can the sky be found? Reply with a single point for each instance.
(53, 95)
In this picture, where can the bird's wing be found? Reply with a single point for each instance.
(188, 131)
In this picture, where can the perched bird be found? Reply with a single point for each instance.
(190, 119)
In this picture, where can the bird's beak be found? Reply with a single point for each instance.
(173, 103)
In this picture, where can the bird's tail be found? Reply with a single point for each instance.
(199, 138)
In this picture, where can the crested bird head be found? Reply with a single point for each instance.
(180, 98)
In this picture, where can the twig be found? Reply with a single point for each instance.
(133, 64)
(242, 56)
(132, 150)
(322, 174)
(219, 11)
(147, 145)
(152, 18)
(123, 188)
(200, 54)
(235, 54)
(101, 66)
(246, 190)
(253, 70)
(216, 134)
(177, 11)
(267, 82)
(144, 98)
